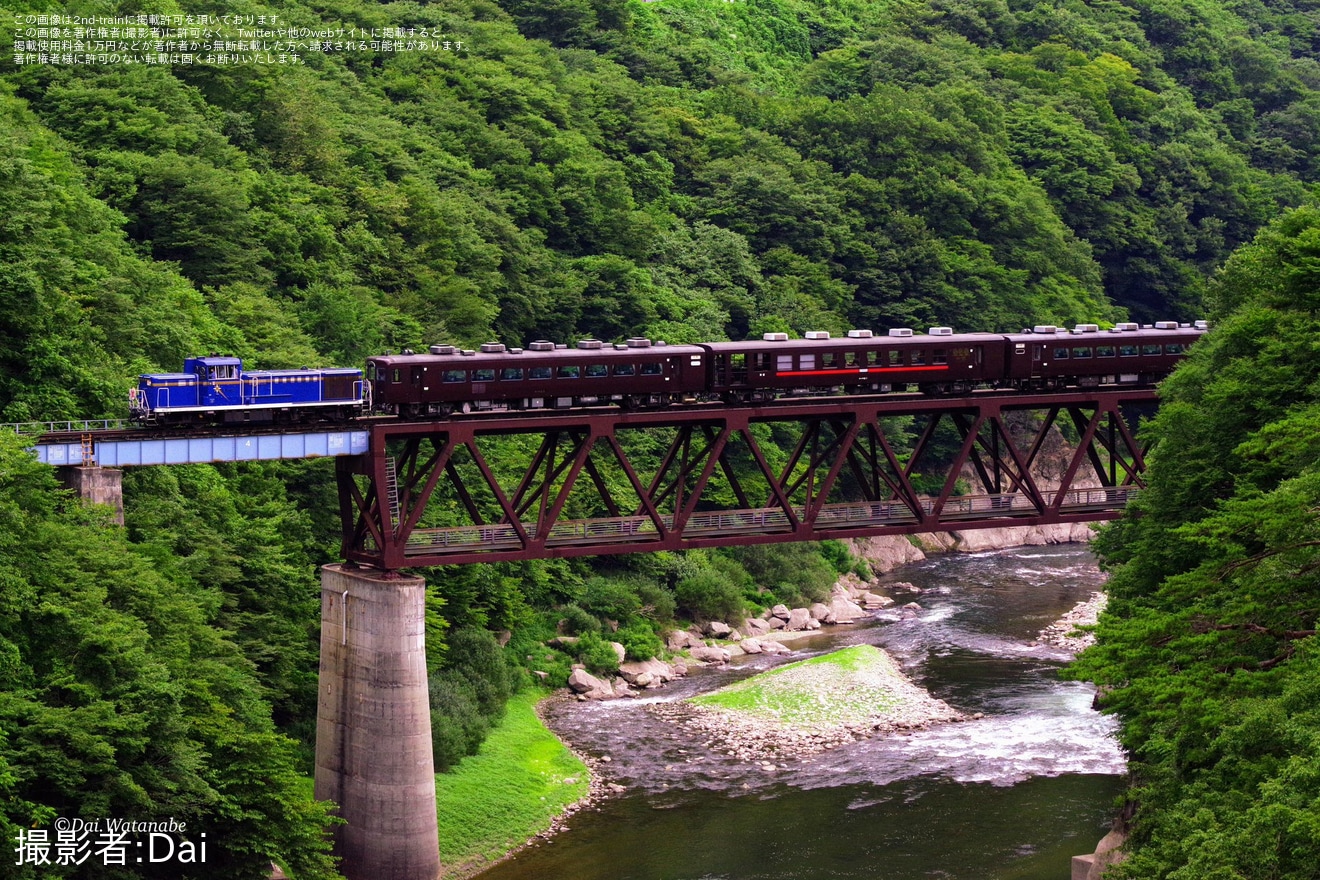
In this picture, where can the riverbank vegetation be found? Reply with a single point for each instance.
(686, 170)
(1208, 651)
(520, 782)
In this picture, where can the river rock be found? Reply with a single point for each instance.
(658, 671)
(717, 629)
(905, 587)
(770, 646)
(910, 610)
(681, 639)
(710, 655)
(780, 611)
(620, 651)
(874, 601)
(754, 626)
(583, 682)
(822, 612)
(750, 646)
(563, 641)
(797, 619)
(845, 610)
(777, 622)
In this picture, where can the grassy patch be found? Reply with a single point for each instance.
(510, 791)
(851, 685)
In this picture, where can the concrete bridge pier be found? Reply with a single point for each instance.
(373, 725)
(99, 485)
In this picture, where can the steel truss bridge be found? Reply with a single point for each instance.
(518, 486)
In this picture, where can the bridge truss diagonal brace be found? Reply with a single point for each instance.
(835, 471)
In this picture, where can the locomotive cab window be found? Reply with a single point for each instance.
(512, 373)
(597, 371)
(625, 370)
(652, 369)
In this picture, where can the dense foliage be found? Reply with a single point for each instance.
(687, 170)
(1209, 651)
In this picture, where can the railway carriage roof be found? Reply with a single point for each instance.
(606, 352)
(850, 342)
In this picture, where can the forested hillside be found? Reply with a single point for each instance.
(1209, 651)
(684, 169)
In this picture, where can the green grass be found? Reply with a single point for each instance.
(509, 792)
(845, 686)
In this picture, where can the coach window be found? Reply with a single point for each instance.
(597, 371)
(829, 360)
(625, 370)
(1081, 352)
(512, 373)
(784, 363)
(483, 375)
(941, 356)
(570, 372)
(1127, 351)
(1104, 351)
(455, 375)
(652, 369)
(807, 361)
(1151, 349)
(396, 375)
(1173, 348)
(918, 357)
(1060, 354)
(895, 358)
(539, 373)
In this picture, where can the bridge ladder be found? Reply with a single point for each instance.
(392, 491)
(88, 451)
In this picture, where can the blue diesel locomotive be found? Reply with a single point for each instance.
(218, 389)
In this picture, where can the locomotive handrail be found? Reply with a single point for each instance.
(72, 426)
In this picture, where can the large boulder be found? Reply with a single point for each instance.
(655, 671)
(591, 687)
(845, 610)
(710, 655)
(777, 622)
(799, 619)
(718, 629)
(751, 646)
(754, 626)
(681, 639)
(780, 611)
(620, 651)
(822, 612)
(770, 646)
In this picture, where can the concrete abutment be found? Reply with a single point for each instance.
(373, 724)
(98, 485)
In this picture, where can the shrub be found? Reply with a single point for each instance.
(457, 725)
(608, 597)
(639, 640)
(596, 654)
(577, 622)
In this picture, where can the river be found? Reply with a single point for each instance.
(1011, 796)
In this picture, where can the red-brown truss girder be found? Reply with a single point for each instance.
(428, 493)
